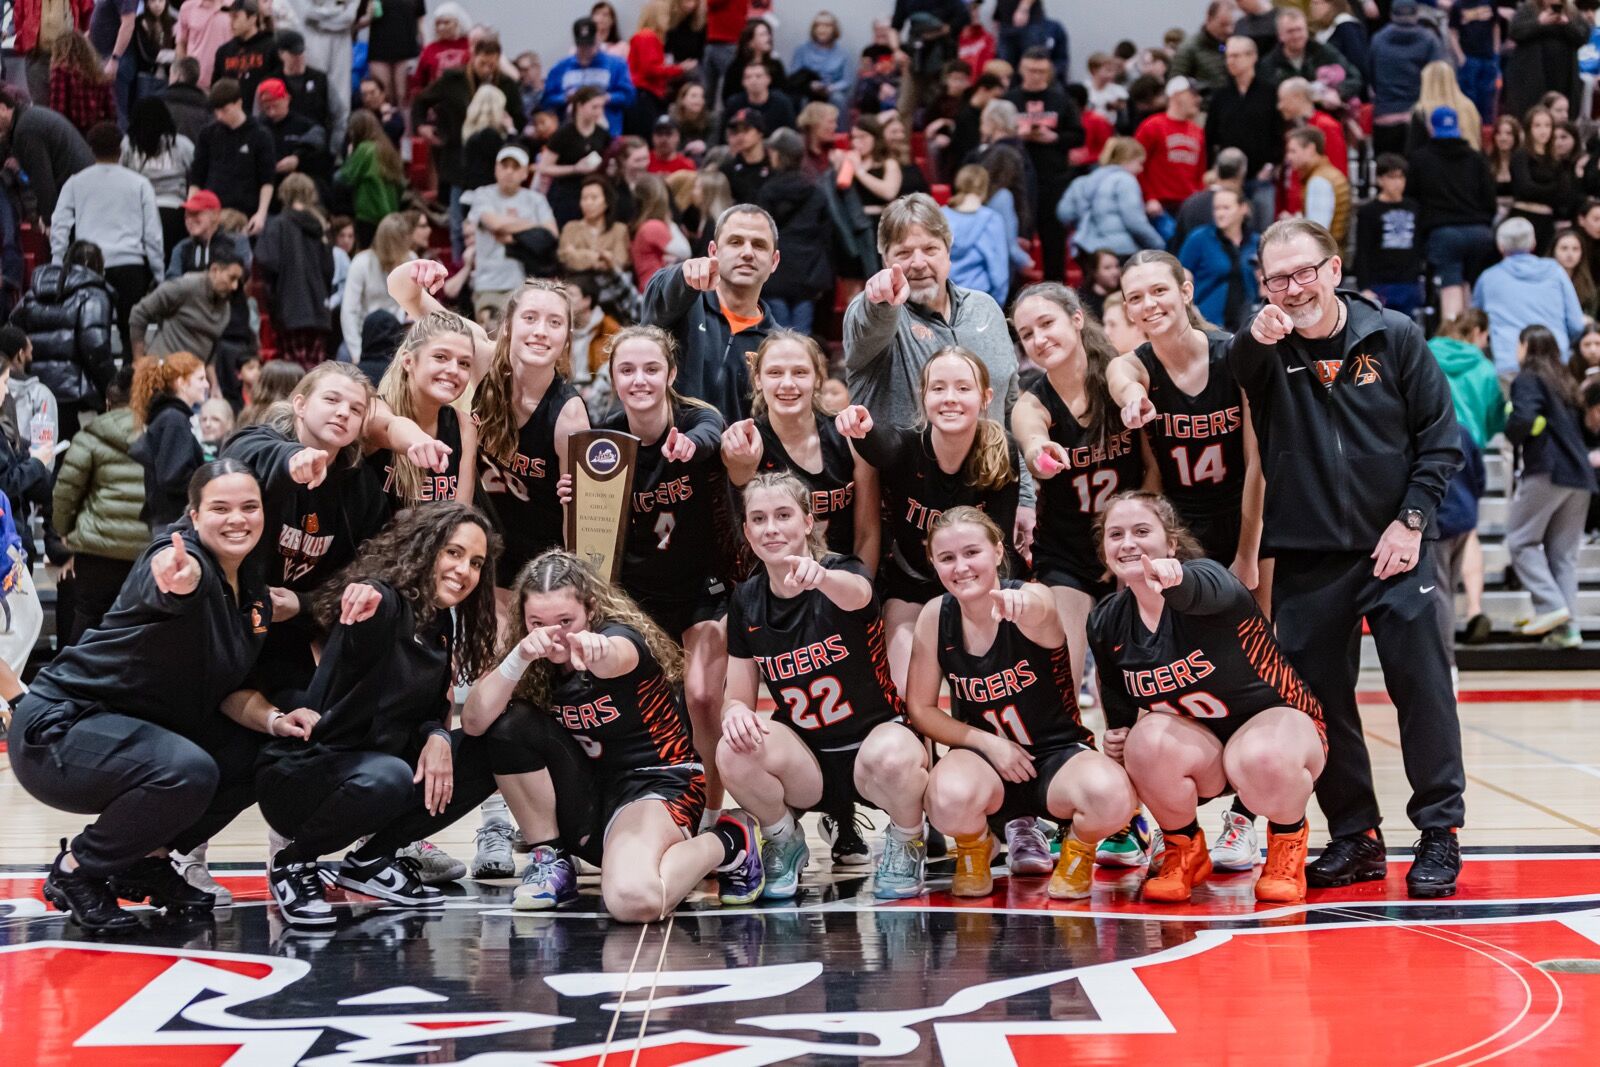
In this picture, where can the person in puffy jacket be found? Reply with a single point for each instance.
(164, 393)
(1106, 206)
(99, 496)
(70, 317)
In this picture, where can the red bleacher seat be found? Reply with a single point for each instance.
(35, 250)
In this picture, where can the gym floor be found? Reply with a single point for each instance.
(1508, 970)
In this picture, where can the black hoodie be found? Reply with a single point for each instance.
(798, 204)
(298, 266)
(1452, 184)
(170, 453)
(1343, 460)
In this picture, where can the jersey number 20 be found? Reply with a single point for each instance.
(821, 707)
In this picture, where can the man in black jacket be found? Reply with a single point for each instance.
(713, 309)
(1050, 126)
(191, 111)
(1358, 441)
(438, 111)
(1243, 114)
(251, 55)
(799, 205)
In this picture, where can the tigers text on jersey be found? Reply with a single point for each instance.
(1018, 689)
(1096, 471)
(1211, 658)
(432, 485)
(1198, 438)
(833, 488)
(827, 668)
(628, 722)
(519, 491)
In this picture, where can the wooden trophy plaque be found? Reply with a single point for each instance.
(601, 462)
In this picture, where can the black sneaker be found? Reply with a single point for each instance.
(297, 890)
(394, 880)
(843, 832)
(1346, 860)
(156, 880)
(1437, 864)
(937, 847)
(1479, 627)
(87, 899)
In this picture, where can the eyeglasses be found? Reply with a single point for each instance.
(1304, 276)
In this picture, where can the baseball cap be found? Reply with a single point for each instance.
(584, 32)
(292, 41)
(512, 151)
(1444, 122)
(1180, 84)
(272, 89)
(664, 124)
(748, 116)
(204, 200)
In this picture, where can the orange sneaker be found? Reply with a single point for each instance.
(1283, 879)
(1074, 874)
(1185, 863)
(973, 878)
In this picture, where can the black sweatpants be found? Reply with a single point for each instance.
(323, 802)
(150, 787)
(130, 283)
(1318, 601)
(98, 581)
(1052, 234)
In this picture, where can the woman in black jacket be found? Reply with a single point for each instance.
(800, 207)
(165, 392)
(69, 316)
(297, 263)
(1544, 525)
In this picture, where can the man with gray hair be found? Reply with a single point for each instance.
(713, 308)
(1523, 290)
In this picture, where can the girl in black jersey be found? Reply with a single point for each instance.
(677, 563)
(956, 458)
(124, 726)
(1188, 661)
(427, 376)
(791, 431)
(1178, 388)
(1017, 746)
(807, 623)
(585, 657)
(410, 617)
(1065, 425)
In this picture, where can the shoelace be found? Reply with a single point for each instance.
(1231, 835)
(427, 848)
(304, 878)
(1439, 850)
(899, 858)
(541, 869)
(492, 830)
(1285, 859)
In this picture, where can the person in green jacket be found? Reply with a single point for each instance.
(99, 494)
(1481, 409)
(373, 174)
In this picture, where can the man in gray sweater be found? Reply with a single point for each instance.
(190, 312)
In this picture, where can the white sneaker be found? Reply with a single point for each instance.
(1237, 848)
(191, 867)
(1543, 624)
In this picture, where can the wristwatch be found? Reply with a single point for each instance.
(1413, 519)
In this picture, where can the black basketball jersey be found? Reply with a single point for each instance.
(1096, 471)
(519, 492)
(1018, 689)
(681, 528)
(916, 490)
(833, 488)
(433, 486)
(625, 723)
(827, 669)
(1211, 658)
(1198, 440)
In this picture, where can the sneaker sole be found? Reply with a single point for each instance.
(537, 903)
(1131, 861)
(494, 872)
(306, 920)
(1315, 882)
(388, 895)
(739, 902)
(1230, 867)
(59, 901)
(1430, 892)
(853, 860)
(1032, 870)
(1055, 894)
(898, 894)
(444, 877)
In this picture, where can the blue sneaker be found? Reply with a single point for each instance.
(900, 868)
(549, 881)
(784, 860)
(743, 882)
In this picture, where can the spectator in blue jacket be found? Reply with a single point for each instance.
(588, 65)
(1399, 52)
(1524, 290)
(1106, 208)
(979, 258)
(1222, 257)
(825, 56)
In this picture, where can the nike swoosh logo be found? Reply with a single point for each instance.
(1429, 588)
(1292, 370)
(1116, 648)
(982, 328)
(752, 629)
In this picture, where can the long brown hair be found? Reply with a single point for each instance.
(669, 351)
(395, 388)
(391, 243)
(365, 127)
(281, 416)
(403, 555)
(819, 366)
(602, 602)
(988, 465)
(1185, 547)
(1098, 352)
(495, 402)
(73, 50)
(155, 375)
(1541, 358)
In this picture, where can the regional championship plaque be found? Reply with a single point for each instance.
(601, 462)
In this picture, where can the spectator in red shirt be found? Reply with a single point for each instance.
(652, 75)
(665, 158)
(79, 87)
(449, 49)
(1097, 129)
(1175, 150)
(725, 21)
(1297, 104)
(976, 44)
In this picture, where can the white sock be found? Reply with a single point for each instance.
(709, 819)
(902, 834)
(780, 829)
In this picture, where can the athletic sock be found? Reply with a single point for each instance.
(1239, 809)
(1287, 827)
(1183, 831)
(781, 829)
(903, 834)
(553, 844)
(733, 844)
(709, 818)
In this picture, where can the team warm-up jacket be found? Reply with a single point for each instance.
(713, 361)
(161, 657)
(1342, 460)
